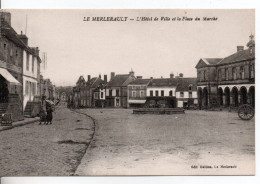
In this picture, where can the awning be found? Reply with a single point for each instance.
(9, 77)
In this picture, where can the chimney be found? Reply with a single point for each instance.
(139, 77)
(171, 75)
(89, 77)
(24, 38)
(6, 16)
(181, 75)
(151, 77)
(105, 79)
(112, 75)
(100, 76)
(240, 48)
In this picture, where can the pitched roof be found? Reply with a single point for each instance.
(118, 80)
(97, 82)
(163, 82)
(242, 55)
(11, 35)
(211, 61)
(184, 83)
(140, 82)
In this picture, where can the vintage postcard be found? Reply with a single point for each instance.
(127, 92)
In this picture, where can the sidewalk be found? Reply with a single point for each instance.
(20, 123)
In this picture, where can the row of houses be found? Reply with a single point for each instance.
(128, 90)
(21, 84)
(220, 82)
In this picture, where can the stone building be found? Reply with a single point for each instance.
(186, 92)
(116, 89)
(137, 92)
(229, 81)
(161, 92)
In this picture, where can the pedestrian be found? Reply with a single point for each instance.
(49, 110)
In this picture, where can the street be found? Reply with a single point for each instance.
(128, 144)
(46, 150)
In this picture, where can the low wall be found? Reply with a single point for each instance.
(159, 111)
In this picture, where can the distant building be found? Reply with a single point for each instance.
(229, 81)
(116, 89)
(161, 92)
(186, 92)
(93, 96)
(137, 92)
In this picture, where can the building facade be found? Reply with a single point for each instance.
(11, 69)
(116, 90)
(186, 93)
(137, 92)
(162, 92)
(229, 81)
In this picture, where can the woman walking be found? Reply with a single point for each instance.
(49, 110)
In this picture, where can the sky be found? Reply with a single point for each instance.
(151, 48)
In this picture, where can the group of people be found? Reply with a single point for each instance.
(46, 111)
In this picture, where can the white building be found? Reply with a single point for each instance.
(31, 70)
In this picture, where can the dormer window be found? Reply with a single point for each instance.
(190, 87)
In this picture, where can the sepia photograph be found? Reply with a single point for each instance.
(127, 92)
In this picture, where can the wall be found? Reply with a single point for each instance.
(186, 94)
(166, 90)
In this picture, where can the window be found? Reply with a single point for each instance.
(4, 46)
(226, 73)
(190, 87)
(202, 75)
(16, 53)
(252, 71)
(190, 94)
(102, 95)
(170, 93)
(32, 64)
(219, 74)
(117, 92)
(156, 93)
(96, 95)
(133, 94)
(151, 93)
(142, 93)
(110, 92)
(234, 74)
(27, 61)
(162, 92)
(133, 87)
(181, 94)
(27, 88)
(11, 52)
(242, 72)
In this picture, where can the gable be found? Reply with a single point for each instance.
(201, 64)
